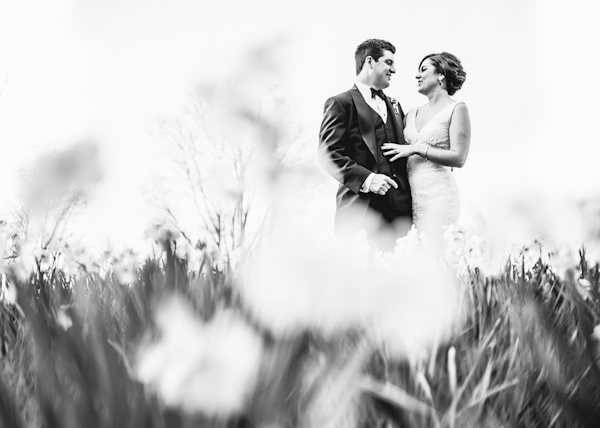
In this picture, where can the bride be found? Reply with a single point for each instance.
(438, 136)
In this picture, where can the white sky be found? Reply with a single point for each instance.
(108, 69)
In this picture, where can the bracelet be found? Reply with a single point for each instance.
(426, 150)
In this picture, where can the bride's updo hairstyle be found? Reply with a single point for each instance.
(448, 65)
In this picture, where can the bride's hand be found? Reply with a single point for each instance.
(398, 150)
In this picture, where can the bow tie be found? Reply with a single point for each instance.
(379, 93)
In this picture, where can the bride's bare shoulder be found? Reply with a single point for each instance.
(461, 108)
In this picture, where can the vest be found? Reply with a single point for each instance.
(395, 202)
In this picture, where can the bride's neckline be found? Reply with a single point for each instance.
(431, 118)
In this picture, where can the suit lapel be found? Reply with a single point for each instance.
(397, 121)
(365, 124)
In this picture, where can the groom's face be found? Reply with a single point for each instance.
(383, 69)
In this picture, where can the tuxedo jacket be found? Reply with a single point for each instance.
(348, 150)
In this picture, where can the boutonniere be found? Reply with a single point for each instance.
(395, 105)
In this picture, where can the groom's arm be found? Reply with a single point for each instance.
(333, 152)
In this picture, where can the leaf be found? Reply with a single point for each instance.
(9, 413)
(397, 398)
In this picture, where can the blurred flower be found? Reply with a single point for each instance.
(125, 267)
(454, 241)
(73, 260)
(466, 251)
(592, 253)
(563, 259)
(531, 254)
(162, 233)
(475, 254)
(219, 261)
(452, 370)
(412, 302)
(203, 254)
(583, 286)
(209, 368)
(596, 333)
(182, 249)
(405, 299)
(595, 342)
(5, 243)
(195, 259)
(291, 285)
(585, 283)
(25, 263)
(9, 291)
(234, 257)
(63, 319)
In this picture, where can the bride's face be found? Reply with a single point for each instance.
(427, 77)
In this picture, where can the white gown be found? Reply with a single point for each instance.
(435, 198)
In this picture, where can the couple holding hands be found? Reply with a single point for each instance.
(395, 169)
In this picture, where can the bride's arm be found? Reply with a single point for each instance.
(455, 156)
(460, 139)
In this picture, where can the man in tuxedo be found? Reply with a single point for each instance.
(373, 193)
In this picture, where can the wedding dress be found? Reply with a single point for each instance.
(435, 198)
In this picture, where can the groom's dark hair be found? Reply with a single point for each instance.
(373, 48)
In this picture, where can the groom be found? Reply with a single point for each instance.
(373, 193)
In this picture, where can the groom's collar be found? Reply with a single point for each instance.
(365, 90)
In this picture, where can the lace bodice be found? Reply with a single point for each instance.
(436, 202)
(435, 132)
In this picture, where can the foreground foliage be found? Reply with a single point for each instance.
(76, 352)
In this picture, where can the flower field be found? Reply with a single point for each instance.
(239, 315)
(176, 342)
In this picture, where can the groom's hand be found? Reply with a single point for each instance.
(381, 184)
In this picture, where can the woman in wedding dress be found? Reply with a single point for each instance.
(438, 136)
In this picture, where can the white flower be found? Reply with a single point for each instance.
(25, 263)
(162, 232)
(592, 253)
(563, 259)
(291, 286)
(4, 244)
(9, 291)
(209, 368)
(411, 304)
(401, 298)
(219, 260)
(195, 259)
(63, 319)
(125, 267)
(73, 260)
(596, 333)
(182, 249)
(595, 336)
(234, 257)
(583, 287)
(585, 283)
(533, 253)
(465, 251)
(454, 243)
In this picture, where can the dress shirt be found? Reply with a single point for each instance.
(380, 108)
(376, 103)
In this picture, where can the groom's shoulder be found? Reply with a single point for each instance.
(343, 97)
